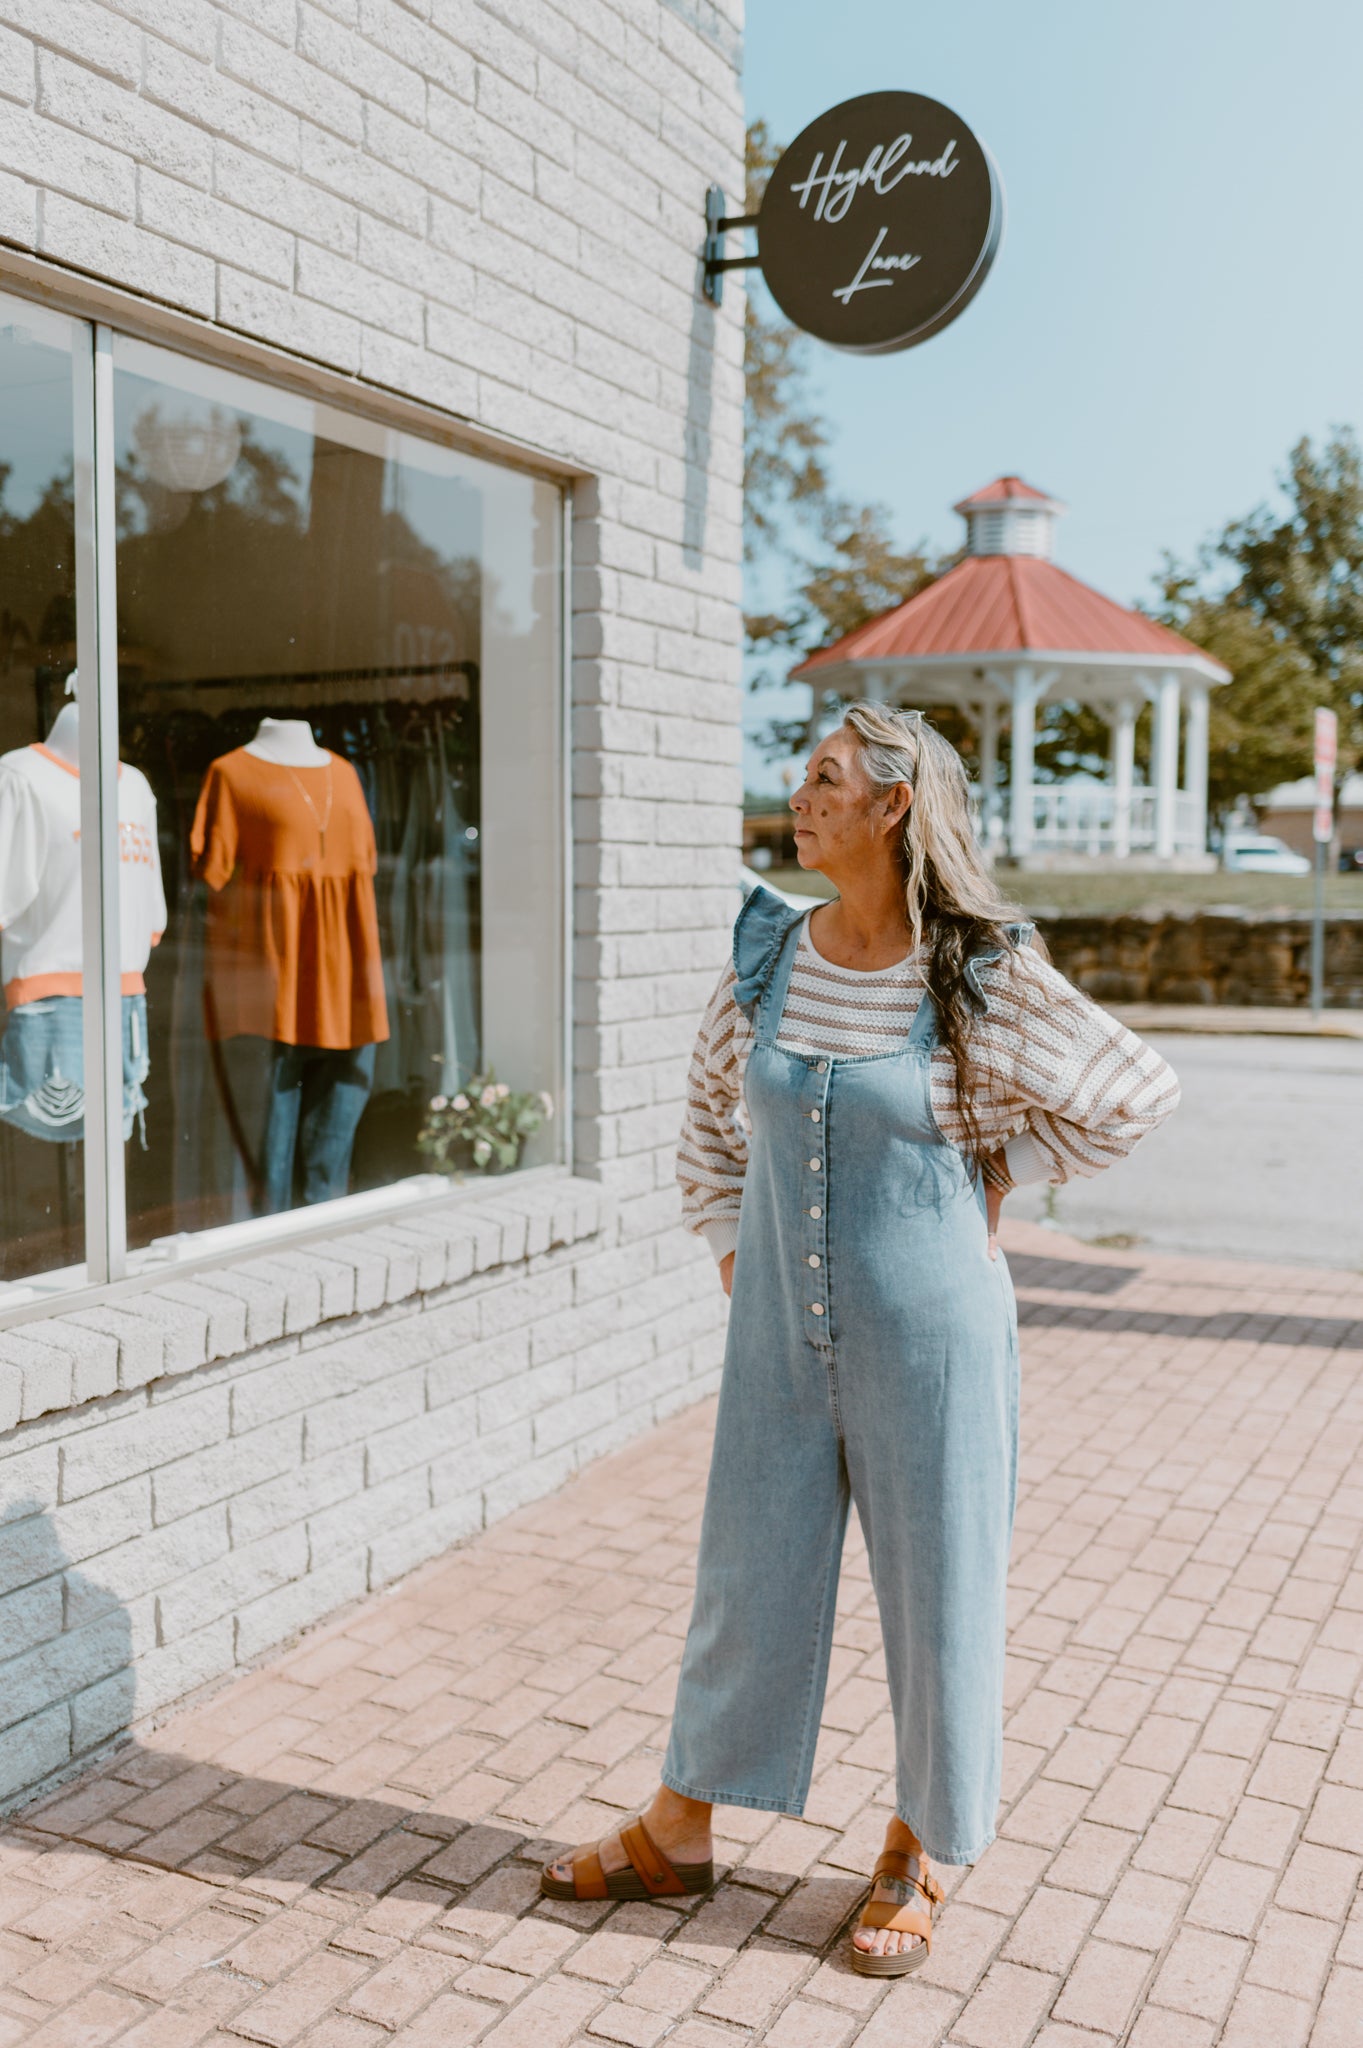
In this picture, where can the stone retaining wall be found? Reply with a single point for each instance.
(1226, 956)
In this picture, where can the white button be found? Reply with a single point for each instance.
(816, 1308)
(822, 1067)
(816, 1114)
(814, 1165)
(814, 1259)
(816, 1210)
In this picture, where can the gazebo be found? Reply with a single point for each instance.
(1007, 631)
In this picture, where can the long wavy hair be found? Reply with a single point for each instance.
(951, 900)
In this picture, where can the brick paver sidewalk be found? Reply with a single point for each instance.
(340, 1849)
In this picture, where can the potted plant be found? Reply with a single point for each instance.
(483, 1128)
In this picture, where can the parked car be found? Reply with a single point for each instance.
(1263, 856)
(750, 881)
(1351, 860)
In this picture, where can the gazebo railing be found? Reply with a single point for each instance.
(1082, 817)
(1070, 817)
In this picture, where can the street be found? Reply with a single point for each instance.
(1263, 1160)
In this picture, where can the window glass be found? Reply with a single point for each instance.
(41, 1050)
(338, 671)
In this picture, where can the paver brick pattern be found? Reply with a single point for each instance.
(341, 1848)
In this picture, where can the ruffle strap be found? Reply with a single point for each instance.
(759, 934)
(1019, 935)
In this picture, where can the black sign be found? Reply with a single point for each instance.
(880, 222)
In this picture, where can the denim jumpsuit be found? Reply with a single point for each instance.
(872, 1356)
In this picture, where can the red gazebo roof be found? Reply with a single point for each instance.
(1001, 491)
(1005, 604)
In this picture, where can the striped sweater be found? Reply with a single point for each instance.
(1061, 1087)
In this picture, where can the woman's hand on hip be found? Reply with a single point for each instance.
(726, 1271)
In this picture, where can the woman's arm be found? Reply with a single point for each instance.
(712, 1156)
(1065, 1089)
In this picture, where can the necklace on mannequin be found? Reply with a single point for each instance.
(325, 819)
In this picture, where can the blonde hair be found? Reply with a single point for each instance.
(951, 900)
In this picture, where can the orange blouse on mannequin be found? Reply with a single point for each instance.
(293, 930)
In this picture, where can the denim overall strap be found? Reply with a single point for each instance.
(759, 933)
(923, 1033)
(772, 1003)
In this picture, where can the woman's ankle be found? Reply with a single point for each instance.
(682, 1818)
(900, 1836)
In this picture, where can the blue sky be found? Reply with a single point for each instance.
(1179, 294)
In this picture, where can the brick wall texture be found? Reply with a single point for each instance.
(492, 207)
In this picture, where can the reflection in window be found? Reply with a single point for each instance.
(315, 616)
(41, 1051)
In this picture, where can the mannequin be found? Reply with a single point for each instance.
(64, 738)
(283, 838)
(42, 1050)
(289, 742)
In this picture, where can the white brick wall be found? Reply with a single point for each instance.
(492, 207)
(200, 1508)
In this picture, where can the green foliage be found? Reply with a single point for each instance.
(1288, 625)
(483, 1127)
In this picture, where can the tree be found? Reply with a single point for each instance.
(1260, 724)
(838, 565)
(1289, 625)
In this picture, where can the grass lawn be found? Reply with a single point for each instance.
(1111, 894)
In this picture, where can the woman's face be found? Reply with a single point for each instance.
(841, 821)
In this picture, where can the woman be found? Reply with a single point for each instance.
(869, 1081)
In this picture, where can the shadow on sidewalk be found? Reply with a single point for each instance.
(261, 1844)
(1325, 1333)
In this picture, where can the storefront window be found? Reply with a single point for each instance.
(41, 1036)
(339, 813)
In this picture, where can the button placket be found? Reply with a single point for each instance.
(814, 1205)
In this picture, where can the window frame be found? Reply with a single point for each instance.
(107, 1261)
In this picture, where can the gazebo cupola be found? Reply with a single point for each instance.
(1008, 517)
(1008, 631)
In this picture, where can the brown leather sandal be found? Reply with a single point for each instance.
(901, 1915)
(648, 1875)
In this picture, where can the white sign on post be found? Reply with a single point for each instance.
(1327, 746)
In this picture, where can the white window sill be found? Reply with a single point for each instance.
(227, 1292)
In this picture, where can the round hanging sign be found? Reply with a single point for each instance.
(880, 222)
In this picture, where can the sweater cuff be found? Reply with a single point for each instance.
(722, 1236)
(1028, 1162)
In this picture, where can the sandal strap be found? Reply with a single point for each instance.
(659, 1879)
(895, 1863)
(589, 1879)
(899, 1919)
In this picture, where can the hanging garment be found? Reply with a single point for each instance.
(40, 906)
(293, 939)
(432, 882)
(42, 1067)
(872, 1357)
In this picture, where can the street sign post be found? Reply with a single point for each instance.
(1323, 832)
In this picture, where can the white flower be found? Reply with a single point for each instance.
(440, 1102)
(502, 1091)
(488, 1096)
(461, 1102)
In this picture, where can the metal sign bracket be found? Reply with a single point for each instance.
(718, 224)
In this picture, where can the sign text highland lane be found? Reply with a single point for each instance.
(880, 222)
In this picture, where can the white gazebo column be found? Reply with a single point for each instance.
(1024, 690)
(988, 717)
(1195, 763)
(1123, 775)
(1166, 763)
